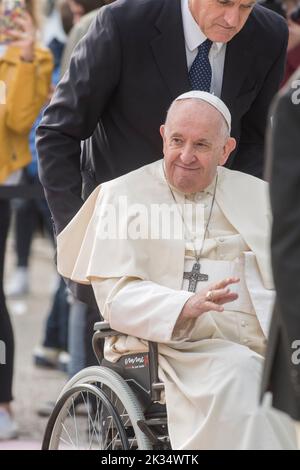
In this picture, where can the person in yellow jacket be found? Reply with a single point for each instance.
(25, 77)
(25, 81)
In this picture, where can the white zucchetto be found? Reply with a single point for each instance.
(211, 99)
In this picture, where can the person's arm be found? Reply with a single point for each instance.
(153, 312)
(25, 104)
(30, 84)
(139, 308)
(250, 155)
(73, 114)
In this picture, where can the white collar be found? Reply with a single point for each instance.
(210, 189)
(194, 37)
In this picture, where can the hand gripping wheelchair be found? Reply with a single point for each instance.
(113, 406)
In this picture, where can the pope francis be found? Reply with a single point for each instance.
(177, 253)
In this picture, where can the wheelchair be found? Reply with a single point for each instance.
(113, 406)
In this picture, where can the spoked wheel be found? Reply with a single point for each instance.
(108, 419)
(99, 428)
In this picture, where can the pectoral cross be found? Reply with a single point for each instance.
(194, 277)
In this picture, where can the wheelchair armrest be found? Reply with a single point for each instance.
(101, 325)
(102, 330)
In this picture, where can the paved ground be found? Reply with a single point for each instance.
(32, 385)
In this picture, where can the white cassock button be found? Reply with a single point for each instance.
(221, 240)
(244, 323)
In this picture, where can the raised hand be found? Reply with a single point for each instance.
(23, 36)
(211, 298)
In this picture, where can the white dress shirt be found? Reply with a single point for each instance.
(194, 37)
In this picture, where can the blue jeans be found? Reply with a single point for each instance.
(56, 334)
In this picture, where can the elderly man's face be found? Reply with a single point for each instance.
(194, 145)
(220, 20)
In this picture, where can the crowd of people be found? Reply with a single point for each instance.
(106, 98)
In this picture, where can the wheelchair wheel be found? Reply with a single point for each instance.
(111, 414)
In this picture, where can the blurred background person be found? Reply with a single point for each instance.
(22, 62)
(282, 366)
(79, 8)
(33, 213)
(289, 9)
(81, 26)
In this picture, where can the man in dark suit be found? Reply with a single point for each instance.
(282, 367)
(125, 73)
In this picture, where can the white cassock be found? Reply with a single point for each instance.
(297, 424)
(211, 366)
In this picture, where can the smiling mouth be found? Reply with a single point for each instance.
(187, 168)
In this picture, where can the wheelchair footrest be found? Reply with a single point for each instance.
(158, 442)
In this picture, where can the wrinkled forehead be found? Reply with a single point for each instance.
(195, 4)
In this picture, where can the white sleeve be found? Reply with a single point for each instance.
(139, 308)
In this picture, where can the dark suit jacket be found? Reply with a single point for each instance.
(282, 369)
(123, 77)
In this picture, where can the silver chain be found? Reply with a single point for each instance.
(196, 256)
